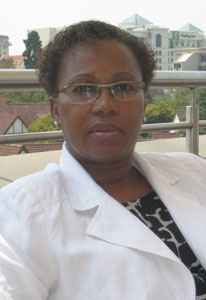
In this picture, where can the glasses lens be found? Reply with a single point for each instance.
(126, 90)
(81, 92)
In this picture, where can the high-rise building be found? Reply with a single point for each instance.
(168, 46)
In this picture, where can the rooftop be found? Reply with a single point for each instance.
(184, 57)
(190, 28)
(27, 112)
(136, 19)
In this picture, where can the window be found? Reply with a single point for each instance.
(160, 52)
(171, 53)
(158, 40)
(168, 68)
(203, 58)
(160, 68)
(160, 60)
(156, 52)
(177, 66)
(168, 60)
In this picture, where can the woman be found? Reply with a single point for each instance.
(106, 223)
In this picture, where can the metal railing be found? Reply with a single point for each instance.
(22, 80)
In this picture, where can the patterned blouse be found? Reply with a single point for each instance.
(153, 213)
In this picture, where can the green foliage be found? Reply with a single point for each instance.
(201, 102)
(181, 98)
(159, 113)
(33, 45)
(26, 97)
(43, 124)
(7, 63)
(200, 95)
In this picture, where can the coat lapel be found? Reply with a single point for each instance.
(184, 207)
(114, 224)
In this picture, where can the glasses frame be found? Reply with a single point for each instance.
(140, 84)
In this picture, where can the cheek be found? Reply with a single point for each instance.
(72, 119)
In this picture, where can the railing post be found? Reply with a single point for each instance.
(192, 115)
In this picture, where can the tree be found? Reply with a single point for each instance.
(26, 97)
(33, 45)
(7, 63)
(43, 124)
(160, 113)
(201, 102)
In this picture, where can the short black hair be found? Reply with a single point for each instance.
(50, 57)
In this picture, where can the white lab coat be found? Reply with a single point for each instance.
(64, 238)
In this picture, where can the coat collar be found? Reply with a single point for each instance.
(115, 224)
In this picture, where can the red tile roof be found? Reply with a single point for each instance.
(27, 112)
(29, 148)
(181, 114)
(6, 120)
(17, 59)
(6, 150)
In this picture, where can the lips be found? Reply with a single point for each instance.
(105, 131)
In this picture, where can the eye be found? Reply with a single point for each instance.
(82, 89)
(124, 87)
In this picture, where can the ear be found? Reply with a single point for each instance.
(54, 111)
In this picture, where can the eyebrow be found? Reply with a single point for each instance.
(82, 75)
(122, 73)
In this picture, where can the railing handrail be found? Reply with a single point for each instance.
(12, 79)
(24, 79)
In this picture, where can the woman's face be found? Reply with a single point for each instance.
(107, 129)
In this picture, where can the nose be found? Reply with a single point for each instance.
(105, 103)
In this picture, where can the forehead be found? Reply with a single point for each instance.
(99, 58)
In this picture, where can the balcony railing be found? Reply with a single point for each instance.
(21, 80)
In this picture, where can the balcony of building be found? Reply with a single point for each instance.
(15, 166)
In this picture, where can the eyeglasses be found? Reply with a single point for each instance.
(85, 92)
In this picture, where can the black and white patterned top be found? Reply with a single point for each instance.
(153, 213)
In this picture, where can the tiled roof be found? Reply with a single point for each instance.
(136, 19)
(6, 120)
(17, 59)
(27, 112)
(6, 150)
(190, 28)
(181, 114)
(29, 148)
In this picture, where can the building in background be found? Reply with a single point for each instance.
(4, 45)
(16, 118)
(46, 34)
(152, 35)
(182, 49)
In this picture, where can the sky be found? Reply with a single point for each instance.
(19, 16)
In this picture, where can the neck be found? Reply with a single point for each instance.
(108, 174)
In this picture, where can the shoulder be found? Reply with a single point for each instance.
(172, 159)
(179, 164)
(36, 188)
